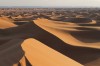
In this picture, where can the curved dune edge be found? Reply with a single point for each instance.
(6, 23)
(39, 54)
(61, 34)
(77, 20)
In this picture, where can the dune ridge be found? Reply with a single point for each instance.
(41, 53)
(64, 42)
(6, 23)
(63, 34)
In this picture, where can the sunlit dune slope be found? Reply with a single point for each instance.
(63, 31)
(6, 23)
(7, 19)
(39, 54)
(66, 40)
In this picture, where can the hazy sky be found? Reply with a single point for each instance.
(51, 3)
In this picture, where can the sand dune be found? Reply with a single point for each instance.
(52, 43)
(6, 23)
(7, 19)
(45, 55)
(74, 20)
(57, 30)
(19, 17)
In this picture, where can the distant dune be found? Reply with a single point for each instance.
(74, 20)
(6, 23)
(7, 19)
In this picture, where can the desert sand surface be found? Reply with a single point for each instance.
(6, 23)
(62, 32)
(44, 42)
(40, 52)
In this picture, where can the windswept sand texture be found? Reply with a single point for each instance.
(49, 41)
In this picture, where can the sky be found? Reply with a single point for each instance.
(51, 3)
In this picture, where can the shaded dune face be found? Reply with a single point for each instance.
(86, 34)
(78, 20)
(91, 36)
(74, 20)
(43, 16)
(11, 52)
(98, 24)
(19, 23)
(82, 55)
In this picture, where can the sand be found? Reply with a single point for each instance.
(40, 52)
(6, 23)
(64, 33)
(46, 42)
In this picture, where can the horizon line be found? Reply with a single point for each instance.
(48, 7)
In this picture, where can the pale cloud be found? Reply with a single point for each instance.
(60, 3)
